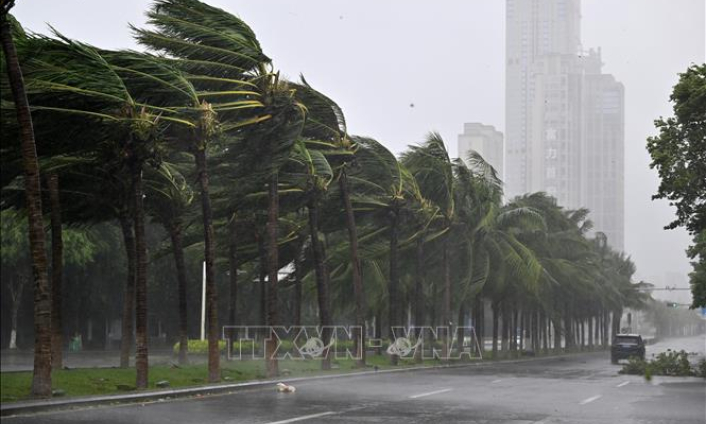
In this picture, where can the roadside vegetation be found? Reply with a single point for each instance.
(105, 381)
(670, 363)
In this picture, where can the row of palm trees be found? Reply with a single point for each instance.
(137, 137)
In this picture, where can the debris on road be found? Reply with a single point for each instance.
(284, 388)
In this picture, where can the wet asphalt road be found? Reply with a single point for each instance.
(577, 389)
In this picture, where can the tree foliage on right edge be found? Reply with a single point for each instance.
(679, 155)
(698, 277)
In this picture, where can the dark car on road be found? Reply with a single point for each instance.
(626, 346)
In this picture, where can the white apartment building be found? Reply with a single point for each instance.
(564, 117)
(485, 140)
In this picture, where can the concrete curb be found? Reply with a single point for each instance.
(45, 405)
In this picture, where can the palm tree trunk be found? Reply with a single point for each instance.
(535, 326)
(359, 334)
(419, 296)
(57, 271)
(41, 378)
(549, 331)
(599, 327)
(617, 317)
(538, 329)
(393, 283)
(446, 307)
(522, 331)
(378, 330)
(515, 326)
(262, 275)
(505, 338)
(544, 332)
(544, 322)
(214, 372)
(272, 274)
(126, 226)
(480, 323)
(141, 339)
(590, 332)
(175, 230)
(322, 284)
(233, 270)
(496, 312)
(460, 330)
(557, 332)
(568, 330)
(298, 290)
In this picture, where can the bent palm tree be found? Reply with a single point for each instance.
(386, 188)
(218, 52)
(168, 200)
(431, 166)
(41, 374)
(76, 79)
(326, 122)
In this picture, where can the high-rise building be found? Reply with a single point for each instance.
(602, 165)
(485, 140)
(564, 117)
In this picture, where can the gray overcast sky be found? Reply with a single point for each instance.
(375, 58)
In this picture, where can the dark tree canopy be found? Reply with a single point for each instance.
(698, 275)
(679, 155)
(679, 151)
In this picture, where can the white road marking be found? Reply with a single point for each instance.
(304, 417)
(436, 392)
(589, 400)
(495, 381)
(624, 383)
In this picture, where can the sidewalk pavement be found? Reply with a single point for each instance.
(23, 360)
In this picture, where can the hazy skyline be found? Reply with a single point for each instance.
(401, 68)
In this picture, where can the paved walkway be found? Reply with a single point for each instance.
(23, 360)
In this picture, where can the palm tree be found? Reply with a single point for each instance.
(169, 198)
(385, 188)
(326, 122)
(95, 192)
(432, 167)
(219, 52)
(477, 197)
(487, 250)
(114, 87)
(41, 377)
(317, 175)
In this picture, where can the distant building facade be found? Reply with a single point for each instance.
(485, 140)
(564, 117)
